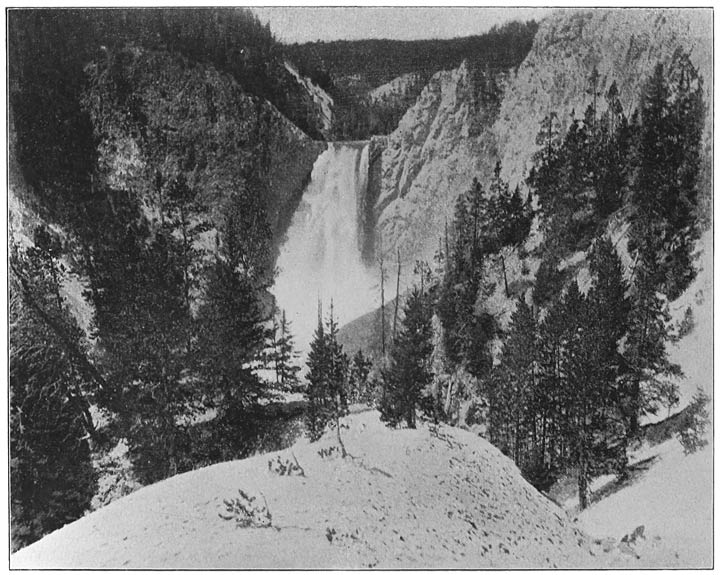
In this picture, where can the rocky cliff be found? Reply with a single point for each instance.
(431, 157)
(624, 45)
(449, 136)
(291, 159)
(318, 102)
(234, 141)
(229, 139)
(397, 88)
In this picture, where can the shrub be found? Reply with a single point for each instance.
(286, 466)
(695, 420)
(247, 511)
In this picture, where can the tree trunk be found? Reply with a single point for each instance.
(410, 417)
(516, 447)
(339, 437)
(582, 483)
(502, 261)
(382, 306)
(447, 248)
(397, 296)
(448, 397)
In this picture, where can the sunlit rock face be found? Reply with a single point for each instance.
(624, 46)
(432, 157)
(448, 137)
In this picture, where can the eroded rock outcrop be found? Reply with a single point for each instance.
(447, 138)
(624, 45)
(427, 161)
(317, 100)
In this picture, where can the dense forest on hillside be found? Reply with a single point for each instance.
(582, 362)
(144, 161)
(376, 62)
(583, 358)
(350, 70)
(140, 138)
(49, 50)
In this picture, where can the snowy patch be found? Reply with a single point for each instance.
(431, 497)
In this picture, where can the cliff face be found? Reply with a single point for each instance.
(448, 137)
(215, 135)
(431, 157)
(397, 88)
(189, 122)
(624, 45)
(317, 101)
(291, 158)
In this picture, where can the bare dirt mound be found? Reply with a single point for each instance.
(431, 497)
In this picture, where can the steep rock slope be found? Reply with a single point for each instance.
(397, 88)
(624, 45)
(431, 497)
(431, 157)
(321, 100)
(222, 113)
(447, 138)
(231, 139)
(291, 159)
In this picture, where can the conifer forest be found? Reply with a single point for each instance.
(439, 302)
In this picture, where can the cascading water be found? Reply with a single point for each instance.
(321, 257)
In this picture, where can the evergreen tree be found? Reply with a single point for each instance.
(548, 401)
(564, 183)
(512, 392)
(506, 219)
(409, 374)
(665, 189)
(283, 355)
(578, 391)
(143, 326)
(612, 156)
(360, 384)
(232, 331)
(595, 433)
(649, 369)
(467, 331)
(52, 480)
(608, 316)
(316, 389)
(549, 280)
(326, 390)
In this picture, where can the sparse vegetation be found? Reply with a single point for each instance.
(348, 71)
(286, 466)
(695, 420)
(247, 511)
(145, 144)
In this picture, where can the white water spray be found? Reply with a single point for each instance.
(321, 257)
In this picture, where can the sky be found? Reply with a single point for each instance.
(310, 23)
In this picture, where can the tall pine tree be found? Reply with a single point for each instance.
(282, 356)
(409, 374)
(665, 189)
(326, 389)
(52, 480)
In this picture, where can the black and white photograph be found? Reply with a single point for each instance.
(348, 288)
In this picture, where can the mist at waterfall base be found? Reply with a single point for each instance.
(321, 257)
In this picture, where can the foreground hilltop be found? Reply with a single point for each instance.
(431, 497)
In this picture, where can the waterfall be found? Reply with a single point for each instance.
(321, 257)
